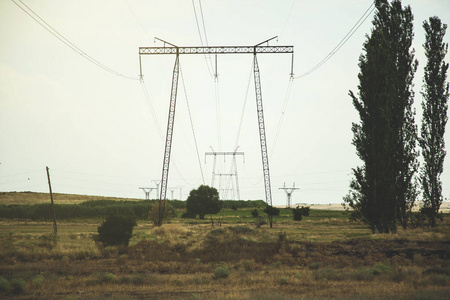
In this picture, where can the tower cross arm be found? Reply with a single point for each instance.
(224, 153)
(216, 50)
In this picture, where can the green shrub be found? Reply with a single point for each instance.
(221, 272)
(38, 281)
(116, 230)
(255, 213)
(305, 211)
(380, 269)
(440, 280)
(298, 214)
(108, 277)
(105, 277)
(314, 266)
(283, 280)
(272, 211)
(4, 284)
(18, 285)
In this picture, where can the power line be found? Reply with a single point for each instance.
(149, 103)
(243, 107)
(65, 41)
(355, 27)
(280, 121)
(209, 65)
(137, 19)
(192, 126)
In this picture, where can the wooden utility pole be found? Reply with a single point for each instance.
(55, 229)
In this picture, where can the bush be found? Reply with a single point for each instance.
(380, 269)
(116, 230)
(161, 212)
(298, 213)
(188, 215)
(107, 277)
(272, 211)
(38, 281)
(221, 272)
(255, 213)
(305, 211)
(18, 285)
(4, 284)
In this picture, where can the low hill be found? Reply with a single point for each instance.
(36, 198)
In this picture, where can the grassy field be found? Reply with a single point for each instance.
(323, 256)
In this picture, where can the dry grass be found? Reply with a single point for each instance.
(178, 261)
(317, 258)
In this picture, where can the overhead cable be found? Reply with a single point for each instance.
(355, 27)
(280, 121)
(192, 126)
(65, 41)
(209, 65)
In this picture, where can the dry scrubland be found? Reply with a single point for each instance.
(323, 256)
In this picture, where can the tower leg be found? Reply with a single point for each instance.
(169, 134)
(262, 133)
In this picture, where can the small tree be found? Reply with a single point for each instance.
(202, 201)
(116, 230)
(255, 213)
(271, 211)
(298, 213)
(161, 211)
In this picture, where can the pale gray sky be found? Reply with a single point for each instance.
(97, 133)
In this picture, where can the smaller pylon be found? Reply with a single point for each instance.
(289, 192)
(147, 192)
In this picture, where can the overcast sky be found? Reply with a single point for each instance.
(100, 135)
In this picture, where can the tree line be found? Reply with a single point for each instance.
(139, 210)
(387, 140)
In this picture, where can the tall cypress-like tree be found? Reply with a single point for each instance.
(385, 137)
(435, 95)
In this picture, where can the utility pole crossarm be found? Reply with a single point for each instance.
(216, 50)
(224, 153)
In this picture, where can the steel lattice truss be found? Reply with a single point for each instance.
(175, 50)
(216, 50)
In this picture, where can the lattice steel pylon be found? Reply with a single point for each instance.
(232, 174)
(257, 49)
(289, 192)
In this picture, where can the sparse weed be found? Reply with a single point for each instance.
(221, 272)
(38, 281)
(380, 269)
(315, 266)
(283, 280)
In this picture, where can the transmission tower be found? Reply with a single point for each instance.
(157, 182)
(230, 175)
(147, 192)
(289, 192)
(172, 189)
(256, 49)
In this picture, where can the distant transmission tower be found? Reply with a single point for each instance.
(224, 191)
(147, 191)
(289, 192)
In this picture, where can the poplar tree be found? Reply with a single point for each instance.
(386, 135)
(435, 93)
